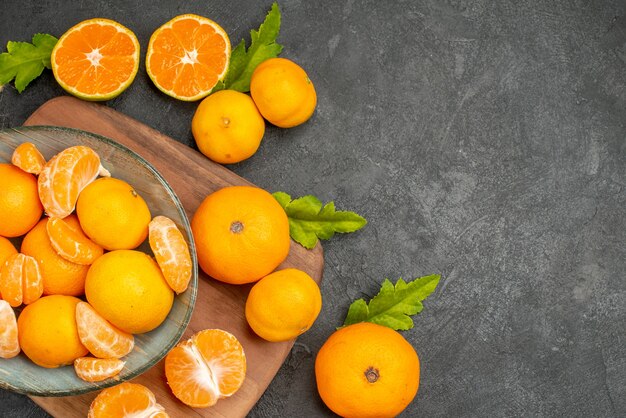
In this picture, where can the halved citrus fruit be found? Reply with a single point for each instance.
(96, 59)
(9, 343)
(72, 244)
(124, 401)
(65, 176)
(209, 366)
(20, 280)
(102, 339)
(171, 252)
(27, 157)
(92, 369)
(187, 56)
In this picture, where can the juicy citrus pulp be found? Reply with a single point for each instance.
(97, 59)
(187, 56)
(209, 366)
(227, 127)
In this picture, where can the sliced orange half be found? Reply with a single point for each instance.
(126, 400)
(72, 244)
(92, 369)
(209, 366)
(27, 157)
(20, 280)
(9, 343)
(65, 176)
(171, 252)
(102, 339)
(96, 59)
(187, 56)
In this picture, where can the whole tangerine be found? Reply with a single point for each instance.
(20, 208)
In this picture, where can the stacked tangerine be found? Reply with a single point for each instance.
(84, 245)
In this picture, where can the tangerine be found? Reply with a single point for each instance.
(126, 400)
(20, 208)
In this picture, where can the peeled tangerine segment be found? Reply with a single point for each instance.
(209, 366)
(20, 280)
(126, 400)
(171, 252)
(65, 176)
(92, 369)
(27, 157)
(9, 344)
(71, 243)
(102, 339)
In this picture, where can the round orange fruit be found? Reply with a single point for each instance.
(241, 234)
(20, 208)
(47, 331)
(6, 249)
(283, 305)
(367, 370)
(228, 127)
(283, 92)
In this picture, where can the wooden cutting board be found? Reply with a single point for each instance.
(192, 176)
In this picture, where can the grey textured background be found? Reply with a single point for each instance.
(482, 140)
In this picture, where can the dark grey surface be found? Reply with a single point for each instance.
(482, 140)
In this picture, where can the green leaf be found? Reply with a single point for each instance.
(263, 46)
(394, 304)
(24, 62)
(310, 220)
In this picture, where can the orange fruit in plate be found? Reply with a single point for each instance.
(27, 157)
(9, 343)
(187, 56)
(65, 176)
(60, 277)
(97, 59)
(92, 369)
(171, 252)
(209, 366)
(20, 280)
(71, 243)
(283, 305)
(228, 127)
(102, 339)
(367, 370)
(241, 234)
(20, 208)
(6, 249)
(47, 331)
(113, 215)
(283, 92)
(126, 400)
(127, 288)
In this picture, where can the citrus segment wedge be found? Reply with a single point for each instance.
(92, 369)
(20, 280)
(171, 252)
(126, 400)
(9, 343)
(102, 339)
(209, 366)
(97, 59)
(187, 56)
(72, 244)
(65, 176)
(27, 157)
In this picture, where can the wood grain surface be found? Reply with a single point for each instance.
(192, 176)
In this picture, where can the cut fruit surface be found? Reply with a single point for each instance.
(9, 343)
(20, 280)
(101, 338)
(171, 252)
(209, 366)
(126, 400)
(96, 60)
(187, 56)
(65, 176)
(92, 369)
(71, 243)
(27, 157)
